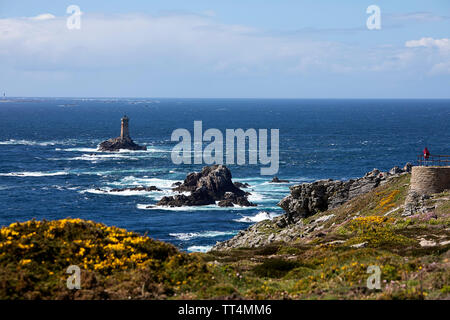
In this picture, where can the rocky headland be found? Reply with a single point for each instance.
(213, 184)
(310, 198)
(316, 210)
(321, 252)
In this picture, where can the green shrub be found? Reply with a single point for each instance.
(274, 268)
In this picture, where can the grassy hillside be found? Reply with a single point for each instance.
(327, 258)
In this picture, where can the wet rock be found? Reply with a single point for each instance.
(277, 180)
(212, 184)
(242, 185)
(119, 143)
(310, 198)
(140, 188)
(122, 142)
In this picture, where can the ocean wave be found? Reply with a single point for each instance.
(260, 216)
(204, 234)
(199, 248)
(124, 193)
(78, 149)
(157, 182)
(184, 208)
(35, 174)
(34, 143)
(101, 157)
(211, 207)
(149, 150)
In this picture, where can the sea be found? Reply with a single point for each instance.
(50, 167)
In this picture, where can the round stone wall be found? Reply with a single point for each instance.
(429, 180)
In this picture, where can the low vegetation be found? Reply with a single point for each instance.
(329, 262)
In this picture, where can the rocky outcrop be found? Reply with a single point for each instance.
(122, 142)
(230, 199)
(257, 235)
(242, 185)
(310, 198)
(416, 203)
(119, 143)
(306, 200)
(277, 180)
(212, 184)
(140, 188)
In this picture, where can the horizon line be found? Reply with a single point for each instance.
(207, 98)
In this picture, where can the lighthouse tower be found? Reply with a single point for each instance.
(124, 131)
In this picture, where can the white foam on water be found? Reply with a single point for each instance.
(260, 216)
(157, 182)
(204, 234)
(78, 149)
(101, 157)
(125, 193)
(211, 207)
(256, 197)
(142, 206)
(199, 248)
(35, 174)
(183, 208)
(131, 193)
(95, 191)
(149, 150)
(32, 143)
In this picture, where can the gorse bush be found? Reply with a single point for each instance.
(375, 231)
(35, 255)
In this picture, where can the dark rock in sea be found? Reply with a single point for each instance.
(176, 184)
(231, 199)
(140, 188)
(206, 187)
(122, 142)
(119, 143)
(310, 198)
(242, 185)
(276, 180)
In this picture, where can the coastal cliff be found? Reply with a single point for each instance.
(320, 255)
(316, 210)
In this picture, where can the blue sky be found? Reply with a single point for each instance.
(227, 48)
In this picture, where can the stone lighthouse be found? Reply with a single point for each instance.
(122, 142)
(124, 130)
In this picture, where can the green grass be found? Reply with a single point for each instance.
(117, 264)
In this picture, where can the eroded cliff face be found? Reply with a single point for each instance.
(311, 206)
(308, 199)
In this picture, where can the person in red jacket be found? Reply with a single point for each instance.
(426, 154)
